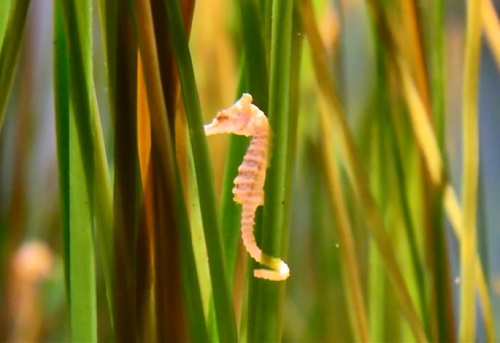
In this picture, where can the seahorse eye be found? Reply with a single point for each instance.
(222, 118)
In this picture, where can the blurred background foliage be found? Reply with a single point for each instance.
(116, 216)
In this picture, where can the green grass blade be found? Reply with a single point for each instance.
(255, 54)
(4, 16)
(409, 226)
(82, 269)
(76, 204)
(191, 285)
(292, 144)
(9, 51)
(379, 296)
(61, 104)
(436, 47)
(398, 149)
(78, 28)
(437, 69)
(220, 285)
(109, 12)
(264, 312)
(467, 330)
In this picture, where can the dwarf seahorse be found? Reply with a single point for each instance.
(244, 118)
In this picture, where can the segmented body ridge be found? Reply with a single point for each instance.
(249, 184)
(249, 189)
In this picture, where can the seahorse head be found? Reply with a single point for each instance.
(239, 119)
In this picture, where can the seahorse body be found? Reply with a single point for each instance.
(246, 119)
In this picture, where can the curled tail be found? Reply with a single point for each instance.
(278, 269)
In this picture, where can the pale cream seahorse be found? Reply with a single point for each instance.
(244, 118)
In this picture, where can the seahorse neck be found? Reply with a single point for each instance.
(261, 138)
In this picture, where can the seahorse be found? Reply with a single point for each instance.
(245, 119)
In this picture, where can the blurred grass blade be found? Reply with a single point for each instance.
(428, 144)
(456, 217)
(110, 11)
(397, 136)
(265, 298)
(491, 27)
(422, 128)
(350, 270)
(62, 105)
(420, 124)
(163, 160)
(437, 83)
(143, 125)
(429, 148)
(75, 202)
(131, 269)
(146, 225)
(10, 47)
(220, 285)
(437, 69)
(4, 16)
(414, 50)
(468, 253)
(355, 172)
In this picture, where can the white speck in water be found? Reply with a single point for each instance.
(457, 280)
